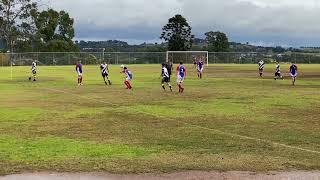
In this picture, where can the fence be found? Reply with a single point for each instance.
(51, 59)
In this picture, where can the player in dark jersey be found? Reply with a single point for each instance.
(165, 77)
(181, 74)
(261, 67)
(105, 73)
(169, 67)
(278, 72)
(200, 66)
(79, 73)
(293, 73)
(195, 63)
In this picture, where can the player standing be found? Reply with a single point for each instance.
(165, 77)
(79, 73)
(181, 74)
(293, 73)
(33, 71)
(200, 68)
(261, 67)
(278, 72)
(169, 67)
(129, 76)
(105, 73)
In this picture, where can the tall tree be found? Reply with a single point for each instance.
(66, 26)
(217, 41)
(46, 24)
(15, 20)
(55, 31)
(178, 34)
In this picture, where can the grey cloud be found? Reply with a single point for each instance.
(256, 20)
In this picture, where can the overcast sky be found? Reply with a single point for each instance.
(265, 22)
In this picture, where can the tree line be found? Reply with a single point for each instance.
(177, 33)
(24, 27)
(177, 36)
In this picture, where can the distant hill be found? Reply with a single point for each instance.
(198, 45)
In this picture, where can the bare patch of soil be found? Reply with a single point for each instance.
(188, 175)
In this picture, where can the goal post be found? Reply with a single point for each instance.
(187, 57)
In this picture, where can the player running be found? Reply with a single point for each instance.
(200, 66)
(293, 73)
(261, 67)
(278, 72)
(129, 76)
(33, 71)
(165, 77)
(105, 73)
(79, 73)
(181, 74)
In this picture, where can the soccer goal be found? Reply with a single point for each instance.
(187, 57)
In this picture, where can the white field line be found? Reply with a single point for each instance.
(200, 127)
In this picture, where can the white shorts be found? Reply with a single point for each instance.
(294, 75)
(128, 78)
(200, 70)
(180, 79)
(79, 74)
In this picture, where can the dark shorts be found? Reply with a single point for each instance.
(104, 74)
(165, 80)
(277, 74)
(34, 72)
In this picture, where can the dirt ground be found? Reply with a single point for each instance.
(190, 175)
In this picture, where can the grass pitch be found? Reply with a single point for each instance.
(230, 120)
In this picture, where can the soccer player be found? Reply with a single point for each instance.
(129, 76)
(195, 63)
(261, 67)
(79, 73)
(165, 77)
(200, 68)
(105, 73)
(169, 67)
(33, 71)
(181, 74)
(293, 73)
(278, 72)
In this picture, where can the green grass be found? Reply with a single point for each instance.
(230, 120)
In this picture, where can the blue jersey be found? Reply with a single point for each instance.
(79, 68)
(200, 64)
(293, 69)
(128, 73)
(181, 71)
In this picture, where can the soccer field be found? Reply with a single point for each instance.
(230, 120)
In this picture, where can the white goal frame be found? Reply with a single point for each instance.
(186, 52)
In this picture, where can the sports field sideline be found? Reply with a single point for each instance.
(230, 120)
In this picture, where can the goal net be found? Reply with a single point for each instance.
(188, 57)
